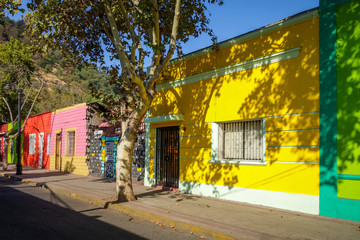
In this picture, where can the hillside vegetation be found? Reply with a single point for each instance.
(65, 84)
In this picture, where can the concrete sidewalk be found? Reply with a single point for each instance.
(208, 217)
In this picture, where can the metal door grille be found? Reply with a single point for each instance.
(167, 156)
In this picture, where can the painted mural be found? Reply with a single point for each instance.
(102, 151)
(96, 165)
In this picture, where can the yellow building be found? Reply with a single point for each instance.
(241, 121)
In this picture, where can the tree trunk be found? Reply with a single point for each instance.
(5, 158)
(124, 191)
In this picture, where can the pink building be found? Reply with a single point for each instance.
(71, 129)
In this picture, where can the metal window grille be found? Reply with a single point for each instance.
(32, 143)
(71, 143)
(241, 140)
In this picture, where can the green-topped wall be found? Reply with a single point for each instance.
(12, 152)
(340, 109)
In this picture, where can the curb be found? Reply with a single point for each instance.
(203, 232)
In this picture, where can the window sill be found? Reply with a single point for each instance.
(238, 162)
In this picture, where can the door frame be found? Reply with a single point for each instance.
(158, 150)
(57, 149)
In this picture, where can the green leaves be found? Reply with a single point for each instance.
(81, 28)
(12, 6)
(16, 67)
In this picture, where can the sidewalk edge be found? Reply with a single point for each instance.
(129, 210)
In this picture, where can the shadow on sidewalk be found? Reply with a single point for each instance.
(52, 219)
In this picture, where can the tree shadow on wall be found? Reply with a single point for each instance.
(69, 166)
(348, 89)
(290, 86)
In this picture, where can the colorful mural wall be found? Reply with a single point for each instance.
(36, 139)
(102, 151)
(340, 112)
(264, 85)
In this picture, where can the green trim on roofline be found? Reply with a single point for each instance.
(166, 118)
(313, 13)
(272, 58)
(349, 177)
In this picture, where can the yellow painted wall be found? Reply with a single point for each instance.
(348, 189)
(289, 87)
(71, 164)
(282, 177)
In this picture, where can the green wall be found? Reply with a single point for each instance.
(14, 152)
(339, 109)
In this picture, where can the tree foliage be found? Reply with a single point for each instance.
(16, 68)
(85, 29)
(130, 31)
(68, 82)
(12, 6)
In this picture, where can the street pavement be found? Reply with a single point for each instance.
(34, 213)
(205, 217)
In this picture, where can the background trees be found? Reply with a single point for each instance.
(17, 78)
(135, 34)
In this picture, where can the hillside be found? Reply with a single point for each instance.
(64, 85)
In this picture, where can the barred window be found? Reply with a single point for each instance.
(48, 141)
(32, 143)
(70, 145)
(241, 140)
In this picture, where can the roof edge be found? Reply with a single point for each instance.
(286, 22)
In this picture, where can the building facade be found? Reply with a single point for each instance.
(36, 141)
(3, 129)
(241, 121)
(340, 101)
(72, 129)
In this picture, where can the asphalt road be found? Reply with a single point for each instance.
(28, 212)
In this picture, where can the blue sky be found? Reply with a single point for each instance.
(236, 17)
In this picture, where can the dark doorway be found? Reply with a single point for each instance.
(167, 156)
(57, 151)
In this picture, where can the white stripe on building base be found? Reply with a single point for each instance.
(288, 201)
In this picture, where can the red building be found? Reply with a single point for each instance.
(36, 141)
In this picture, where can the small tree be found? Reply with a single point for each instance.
(130, 31)
(16, 71)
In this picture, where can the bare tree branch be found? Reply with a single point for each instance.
(32, 105)
(117, 43)
(122, 55)
(8, 107)
(134, 37)
(155, 38)
(160, 67)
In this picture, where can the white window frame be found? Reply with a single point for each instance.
(217, 155)
(32, 143)
(48, 141)
(41, 142)
(70, 149)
